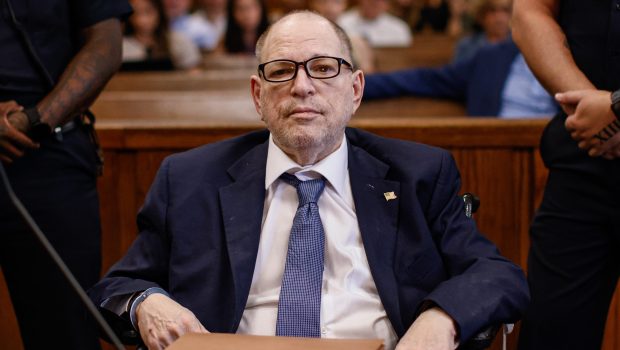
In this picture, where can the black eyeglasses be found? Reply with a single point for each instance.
(320, 67)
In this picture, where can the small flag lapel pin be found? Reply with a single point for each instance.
(389, 196)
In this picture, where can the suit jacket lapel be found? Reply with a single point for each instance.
(377, 215)
(242, 210)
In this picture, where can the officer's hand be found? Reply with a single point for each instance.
(13, 124)
(7, 107)
(591, 117)
(161, 321)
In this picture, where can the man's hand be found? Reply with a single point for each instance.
(161, 321)
(589, 118)
(432, 330)
(13, 125)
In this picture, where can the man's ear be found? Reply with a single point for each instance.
(358, 88)
(256, 88)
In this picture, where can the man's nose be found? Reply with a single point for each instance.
(302, 83)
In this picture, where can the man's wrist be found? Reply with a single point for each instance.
(433, 308)
(37, 128)
(139, 298)
(615, 103)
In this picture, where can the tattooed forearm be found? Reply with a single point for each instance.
(86, 74)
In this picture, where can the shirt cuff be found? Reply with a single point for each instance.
(140, 298)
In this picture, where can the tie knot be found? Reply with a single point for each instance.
(308, 191)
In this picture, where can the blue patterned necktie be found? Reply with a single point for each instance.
(299, 307)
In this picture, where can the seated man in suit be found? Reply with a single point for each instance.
(377, 247)
(495, 81)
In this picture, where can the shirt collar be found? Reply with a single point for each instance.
(334, 167)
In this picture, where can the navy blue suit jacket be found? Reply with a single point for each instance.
(478, 82)
(200, 228)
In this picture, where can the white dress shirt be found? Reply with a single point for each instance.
(350, 304)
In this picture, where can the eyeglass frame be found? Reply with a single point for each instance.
(341, 61)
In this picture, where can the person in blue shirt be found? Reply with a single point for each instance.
(494, 82)
(492, 25)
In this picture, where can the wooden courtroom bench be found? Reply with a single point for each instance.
(217, 61)
(181, 80)
(427, 50)
(235, 105)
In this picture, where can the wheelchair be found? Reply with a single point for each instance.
(483, 339)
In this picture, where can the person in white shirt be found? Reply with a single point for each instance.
(398, 258)
(371, 21)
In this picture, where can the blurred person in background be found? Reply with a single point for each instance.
(433, 15)
(194, 27)
(438, 16)
(214, 13)
(330, 9)
(363, 55)
(371, 21)
(282, 7)
(492, 25)
(495, 82)
(247, 20)
(148, 44)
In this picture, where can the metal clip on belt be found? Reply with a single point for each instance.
(59, 130)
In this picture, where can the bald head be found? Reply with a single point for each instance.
(304, 19)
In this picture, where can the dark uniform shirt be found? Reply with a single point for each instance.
(592, 29)
(53, 27)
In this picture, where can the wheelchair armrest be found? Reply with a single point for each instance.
(472, 203)
(481, 340)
